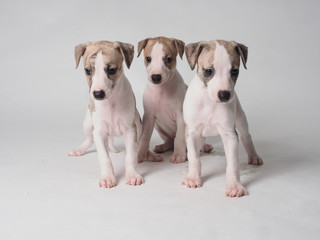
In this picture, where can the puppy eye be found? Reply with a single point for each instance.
(148, 59)
(234, 72)
(168, 60)
(88, 71)
(208, 72)
(111, 71)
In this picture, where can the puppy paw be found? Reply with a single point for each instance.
(76, 153)
(108, 182)
(255, 160)
(178, 157)
(163, 148)
(235, 190)
(207, 148)
(134, 179)
(154, 157)
(192, 182)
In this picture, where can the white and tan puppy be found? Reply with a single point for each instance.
(212, 107)
(112, 109)
(163, 99)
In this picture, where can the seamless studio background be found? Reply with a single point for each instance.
(43, 99)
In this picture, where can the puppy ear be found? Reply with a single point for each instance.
(79, 51)
(179, 46)
(127, 51)
(141, 45)
(193, 51)
(243, 52)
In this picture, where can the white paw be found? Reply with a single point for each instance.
(154, 157)
(255, 160)
(76, 153)
(134, 179)
(235, 190)
(178, 157)
(162, 148)
(207, 148)
(192, 182)
(108, 182)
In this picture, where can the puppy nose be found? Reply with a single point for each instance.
(224, 95)
(99, 94)
(156, 78)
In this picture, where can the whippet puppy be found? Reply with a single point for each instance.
(163, 99)
(112, 108)
(211, 107)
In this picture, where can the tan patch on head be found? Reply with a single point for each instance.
(113, 53)
(171, 48)
(202, 54)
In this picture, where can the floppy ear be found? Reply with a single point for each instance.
(141, 45)
(79, 51)
(243, 52)
(127, 51)
(179, 46)
(193, 51)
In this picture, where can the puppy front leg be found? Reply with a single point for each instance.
(193, 179)
(131, 142)
(108, 179)
(231, 145)
(180, 150)
(147, 129)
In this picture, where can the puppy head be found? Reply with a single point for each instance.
(218, 66)
(160, 57)
(103, 65)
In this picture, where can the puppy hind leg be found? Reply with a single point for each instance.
(243, 127)
(87, 128)
(168, 142)
(111, 145)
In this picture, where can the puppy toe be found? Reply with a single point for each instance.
(255, 160)
(207, 148)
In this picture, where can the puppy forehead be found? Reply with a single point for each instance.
(110, 54)
(168, 46)
(219, 50)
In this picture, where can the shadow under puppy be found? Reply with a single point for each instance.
(212, 107)
(112, 108)
(163, 99)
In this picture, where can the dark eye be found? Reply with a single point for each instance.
(88, 71)
(148, 59)
(168, 60)
(208, 72)
(234, 72)
(111, 71)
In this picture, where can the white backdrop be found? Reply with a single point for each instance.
(43, 100)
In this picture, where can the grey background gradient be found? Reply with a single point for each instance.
(46, 194)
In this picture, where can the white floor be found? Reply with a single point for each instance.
(44, 194)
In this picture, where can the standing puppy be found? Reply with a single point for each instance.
(112, 110)
(212, 107)
(163, 99)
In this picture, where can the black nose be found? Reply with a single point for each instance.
(99, 94)
(224, 95)
(156, 78)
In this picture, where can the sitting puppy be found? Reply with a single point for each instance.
(112, 110)
(163, 99)
(212, 107)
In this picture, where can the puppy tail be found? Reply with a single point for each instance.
(111, 145)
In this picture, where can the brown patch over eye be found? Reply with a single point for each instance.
(234, 73)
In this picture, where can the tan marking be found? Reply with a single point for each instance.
(113, 53)
(202, 54)
(171, 48)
